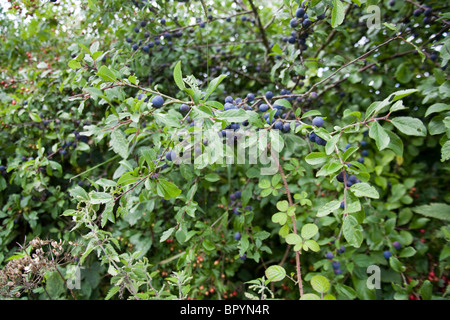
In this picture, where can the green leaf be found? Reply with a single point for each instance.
(347, 291)
(309, 230)
(112, 292)
(329, 208)
(178, 76)
(395, 143)
(337, 14)
(233, 115)
(101, 197)
(401, 94)
(396, 265)
(214, 104)
(293, 239)
(331, 144)
(407, 252)
(169, 189)
(316, 158)
(439, 211)
(266, 192)
(426, 290)
(79, 193)
(264, 184)
(445, 253)
(35, 117)
(397, 106)
(119, 143)
(380, 136)
(213, 85)
(212, 177)
(311, 113)
(376, 107)
(320, 284)
(74, 64)
(284, 103)
(313, 245)
(310, 296)
(410, 126)
(277, 49)
(94, 47)
(127, 178)
(404, 74)
(208, 245)
(445, 152)
(282, 205)
(55, 285)
(437, 107)
(275, 273)
(391, 26)
(329, 168)
(279, 217)
(352, 231)
(106, 74)
(364, 189)
(166, 234)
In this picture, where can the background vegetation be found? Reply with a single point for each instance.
(88, 192)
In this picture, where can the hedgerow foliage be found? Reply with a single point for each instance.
(224, 149)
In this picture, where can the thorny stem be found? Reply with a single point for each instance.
(294, 226)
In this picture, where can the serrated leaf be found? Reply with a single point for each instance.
(439, 211)
(320, 283)
(282, 205)
(293, 239)
(106, 74)
(313, 245)
(127, 178)
(364, 189)
(328, 208)
(310, 296)
(169, 189)
(275, 273)
(119, 143)
(352, 231)
(279, 217)
(166, 234)
(79, 193)
(264, 184)
(410, 126)
(309, 230)
(73, 64)
(101, 197)
(112, 292)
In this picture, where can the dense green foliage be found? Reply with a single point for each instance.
(349, 104)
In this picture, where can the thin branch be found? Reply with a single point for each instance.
(261, 29)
